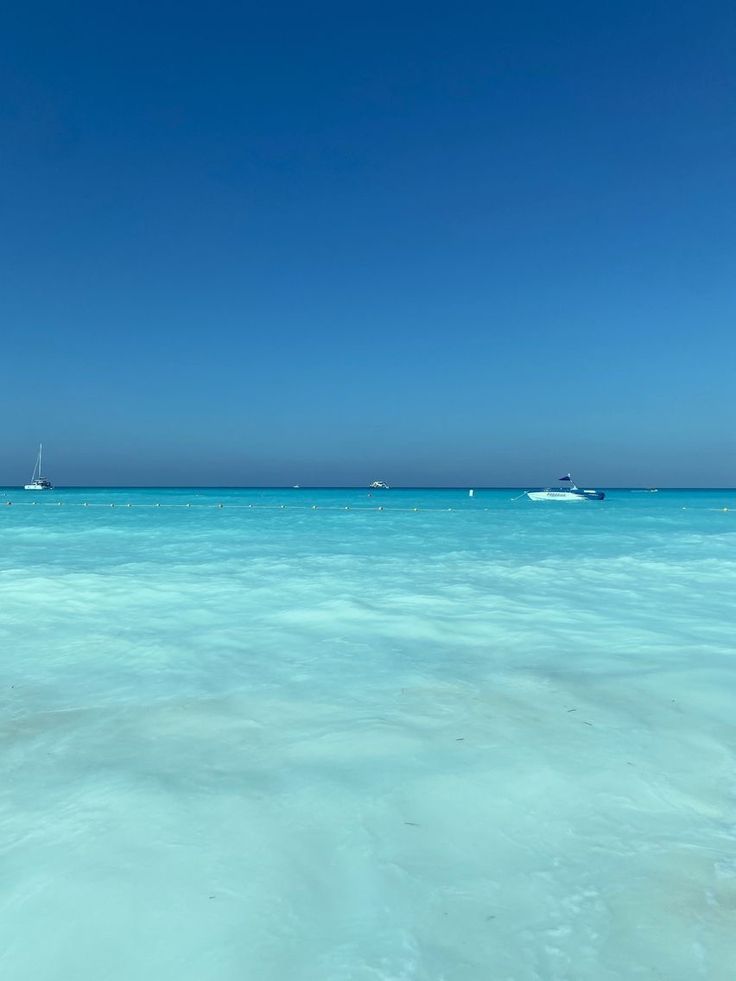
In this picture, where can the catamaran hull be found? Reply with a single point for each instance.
(38, 487)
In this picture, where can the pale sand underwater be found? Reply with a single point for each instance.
(495, 742)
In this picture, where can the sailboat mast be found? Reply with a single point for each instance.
(40, 465)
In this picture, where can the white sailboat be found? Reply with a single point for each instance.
(38, 481)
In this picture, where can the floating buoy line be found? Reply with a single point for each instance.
(124, 505)
(241, 507)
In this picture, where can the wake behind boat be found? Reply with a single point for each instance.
(570, 493)
(38, 481)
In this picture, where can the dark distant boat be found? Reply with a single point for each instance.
(569, 493)
(38, 481)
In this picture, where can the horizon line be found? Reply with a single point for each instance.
(397, 487)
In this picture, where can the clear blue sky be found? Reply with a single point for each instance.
(474, 243)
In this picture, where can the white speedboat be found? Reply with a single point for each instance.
(569, 493)
(38, 481)
(379, 485)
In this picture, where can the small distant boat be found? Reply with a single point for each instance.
(295, 486)
(379, 485)
(569, 493)
(38, 481)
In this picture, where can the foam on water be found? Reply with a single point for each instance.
(492, 742)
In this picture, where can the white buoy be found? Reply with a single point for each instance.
(471, 493)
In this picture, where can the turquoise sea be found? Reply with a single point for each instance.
(298, 738)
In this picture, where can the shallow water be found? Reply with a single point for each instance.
(310, 743)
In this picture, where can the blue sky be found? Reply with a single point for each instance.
(478, 243)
